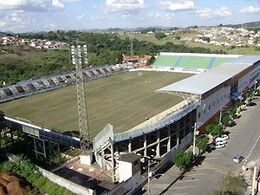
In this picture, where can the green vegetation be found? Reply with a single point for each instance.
(124, 100)
(226, 119)
(24, 168)
(202, 143)
(20, 63)
(175, 39)
(183, 159)
(231, 185)
(214, 129)
(159, 35)
(24, 62)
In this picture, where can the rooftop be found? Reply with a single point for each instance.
(204, 82)
(129, 157)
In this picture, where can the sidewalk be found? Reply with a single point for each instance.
(162, 183)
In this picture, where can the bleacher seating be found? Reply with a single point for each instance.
(190, 62)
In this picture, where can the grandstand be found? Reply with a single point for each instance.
(191, 61)
(152, 113)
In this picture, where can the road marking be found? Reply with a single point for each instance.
(251, 150)
(188, 180)
(182, 187)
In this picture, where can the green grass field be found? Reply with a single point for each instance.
(123, 100)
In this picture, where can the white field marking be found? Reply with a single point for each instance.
(187, 180)
(182, 187)
(252, 149)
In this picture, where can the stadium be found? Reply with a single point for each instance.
(150, 112)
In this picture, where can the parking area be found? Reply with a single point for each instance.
(204, 178)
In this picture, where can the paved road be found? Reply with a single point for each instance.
(244, 140)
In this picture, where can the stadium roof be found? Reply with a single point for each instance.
(204, 82)
(246, 59)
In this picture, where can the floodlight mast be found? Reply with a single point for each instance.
(79, 57)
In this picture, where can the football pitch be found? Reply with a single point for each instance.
(124, 100)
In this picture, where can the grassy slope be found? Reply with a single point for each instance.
(123, 100)
(17, 63)
(171, 38)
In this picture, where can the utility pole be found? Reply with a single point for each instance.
(220, 116)
(194, 139)
(79, 57)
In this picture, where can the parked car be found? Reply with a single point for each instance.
(250, 103)
(219, 145)
(238, 158)
(221, 142)
(211, 146)
(223, 137)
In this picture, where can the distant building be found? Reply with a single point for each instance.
(136, 60)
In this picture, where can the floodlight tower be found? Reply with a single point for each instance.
(79, 57)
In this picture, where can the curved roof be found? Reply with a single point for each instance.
(204, 82)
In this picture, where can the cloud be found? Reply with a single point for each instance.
(250, 9)
(178, 5)
(165, 16)
(71, 1)
(57, 4)
(2, 24)
(31, 5)
(124, 5)
(216, 13)
(13, 19)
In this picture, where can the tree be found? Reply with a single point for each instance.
(178, 37)
(226, 119)
(150, 61)
(232, 112)
(159, 35)
(183, 159)
(231, 185)
(1, 118)
(250, 94)
(202, 143)
(214, 129)
(239, 103)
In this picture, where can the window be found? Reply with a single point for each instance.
(199, 115)
(209, 107)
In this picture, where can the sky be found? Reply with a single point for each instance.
(46, 15)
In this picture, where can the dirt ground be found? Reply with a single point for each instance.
(12, 185)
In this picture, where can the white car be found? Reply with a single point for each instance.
(238, 158)
(219, 145)
(221, 142)
(222, 138)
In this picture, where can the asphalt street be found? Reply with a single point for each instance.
(204, 178)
